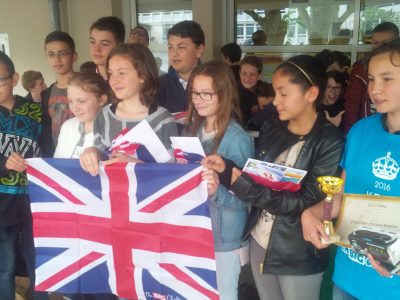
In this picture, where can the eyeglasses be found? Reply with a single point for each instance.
(60, 54)
(203, 95)
(138, 32)
(3, 80)
(335, 89)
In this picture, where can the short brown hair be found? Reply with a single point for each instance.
(253, 61)
(29, 79)
(145, 65)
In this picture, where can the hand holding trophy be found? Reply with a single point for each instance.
(330, 185)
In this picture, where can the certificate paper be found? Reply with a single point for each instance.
(371, 224)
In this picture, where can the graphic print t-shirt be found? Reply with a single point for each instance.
(371, 160)
(58, 110)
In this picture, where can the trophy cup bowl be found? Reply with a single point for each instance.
(330, 185)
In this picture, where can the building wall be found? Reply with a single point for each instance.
(27, 23)
(76, 19)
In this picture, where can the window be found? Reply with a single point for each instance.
(297, 22)
(158, 17)
(372, 13)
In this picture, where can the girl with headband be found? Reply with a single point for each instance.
(283, 264)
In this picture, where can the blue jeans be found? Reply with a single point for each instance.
(228, 270)
(8, 241)
(8, 251)
(339, 294)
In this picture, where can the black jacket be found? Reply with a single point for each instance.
(288, 253)
(171, 94)
(48, 150)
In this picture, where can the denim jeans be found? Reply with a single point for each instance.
(8, 251)
(228, 270)
(8, 241)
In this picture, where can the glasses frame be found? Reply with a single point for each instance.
(3, 80)
(203, 95)
(58, 55)
(335, 89)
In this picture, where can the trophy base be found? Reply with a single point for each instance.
(333, 238)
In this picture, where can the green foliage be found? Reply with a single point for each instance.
(372, 16)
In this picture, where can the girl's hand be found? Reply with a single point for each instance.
(212, 181)
(214, 162)
(117, 157)
(235, 175)
(89, 160)
(378, 267)
(16, 162)
(313, 229)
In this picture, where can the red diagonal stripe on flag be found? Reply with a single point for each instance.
(71, 269)
(172, 195)
(182, 276)
(50, 182)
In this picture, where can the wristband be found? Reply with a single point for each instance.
(226, 175)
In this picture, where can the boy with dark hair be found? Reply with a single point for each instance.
(357, 104)
(21, 136)
(384, 33)
(105, 34)
(61, 55)
(33, 83)
(139, 35)
(186, 43)
(232, 53)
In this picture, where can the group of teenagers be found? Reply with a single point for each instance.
(284, 228)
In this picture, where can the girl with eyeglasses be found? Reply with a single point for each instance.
(214, 117)
(283, 264)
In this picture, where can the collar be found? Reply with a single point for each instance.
(384, 124)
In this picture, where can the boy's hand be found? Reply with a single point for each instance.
(336, 120)
(16, 162)
(89, 160)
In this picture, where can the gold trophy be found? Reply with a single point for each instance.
(329, 185)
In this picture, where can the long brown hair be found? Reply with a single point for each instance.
(145, 65)
(226, 89)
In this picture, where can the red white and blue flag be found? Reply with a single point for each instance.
(140, 231)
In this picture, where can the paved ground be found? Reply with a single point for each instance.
(247, 289)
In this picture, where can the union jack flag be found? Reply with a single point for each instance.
(140, 231)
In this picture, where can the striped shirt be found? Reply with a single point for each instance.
(108, 125)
